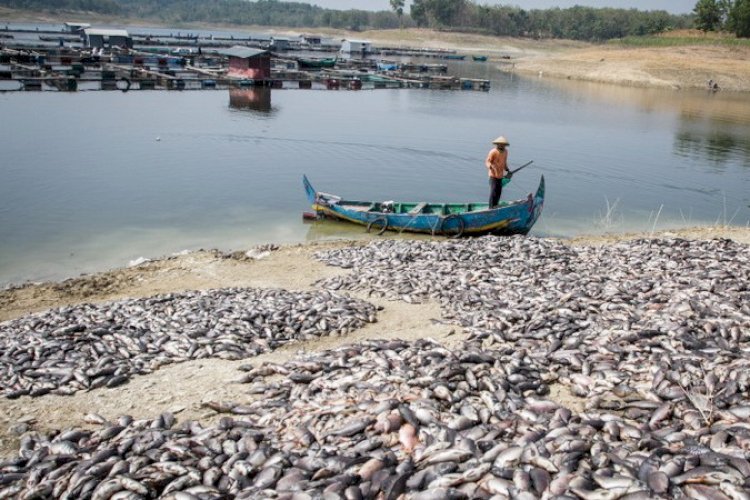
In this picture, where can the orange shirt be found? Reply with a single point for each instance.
(497, 163)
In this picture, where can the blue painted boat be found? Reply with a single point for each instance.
(387, 66)
(446, 219)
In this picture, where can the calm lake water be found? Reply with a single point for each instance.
(93, 180)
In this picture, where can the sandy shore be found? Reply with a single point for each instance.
(181, 388)
(675, 68)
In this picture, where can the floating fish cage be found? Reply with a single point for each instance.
(148, 69)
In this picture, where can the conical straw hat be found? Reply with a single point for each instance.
(501, 140)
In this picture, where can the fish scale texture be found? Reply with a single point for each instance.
(649, 339)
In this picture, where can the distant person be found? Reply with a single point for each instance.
(497, 167)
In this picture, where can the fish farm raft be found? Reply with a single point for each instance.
(114, 60)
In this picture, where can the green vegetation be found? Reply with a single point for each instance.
(576, 23)
(110, 7)
(398, 7)
(677, 41)
(710, 15)
(239, 12)
(718, 15)
(738, 19)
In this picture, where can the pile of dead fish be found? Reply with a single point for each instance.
(396, 419)
(594, 373)
(655, 315)
(84, 347)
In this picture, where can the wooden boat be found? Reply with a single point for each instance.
(316, 63)
(447, 219)
(455, 57)
(479, 58)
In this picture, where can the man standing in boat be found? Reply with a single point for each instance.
(497, 166)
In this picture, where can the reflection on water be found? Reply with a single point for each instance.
(719, 107)
(713, 126)
(719, 139)
(331, 229)
(717, 147)
(252, 99)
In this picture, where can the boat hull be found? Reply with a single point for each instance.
(517, 217)
(316, 63)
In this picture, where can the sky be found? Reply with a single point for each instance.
(673, 6)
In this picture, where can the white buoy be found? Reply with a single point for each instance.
(158, 139)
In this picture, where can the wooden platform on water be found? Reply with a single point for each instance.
(67, 69)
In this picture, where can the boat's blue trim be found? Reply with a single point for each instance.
(512, 218)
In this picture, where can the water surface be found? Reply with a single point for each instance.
(92, 180)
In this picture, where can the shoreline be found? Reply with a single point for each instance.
(287, 266)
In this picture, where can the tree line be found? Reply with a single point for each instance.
(576, 23)
(723, 15)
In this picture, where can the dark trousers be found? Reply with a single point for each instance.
(496, 189)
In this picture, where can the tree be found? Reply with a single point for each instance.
(708, 15)
(445, 12)
(440, 13)
(739, 18)
(419, 12)
(398, 8)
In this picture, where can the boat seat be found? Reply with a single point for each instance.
(418, 209)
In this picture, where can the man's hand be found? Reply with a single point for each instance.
(508, 174)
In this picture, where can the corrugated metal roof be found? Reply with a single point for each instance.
(240, 51)
(101, 32)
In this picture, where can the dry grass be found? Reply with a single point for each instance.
(668, 67)
(683, 37)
